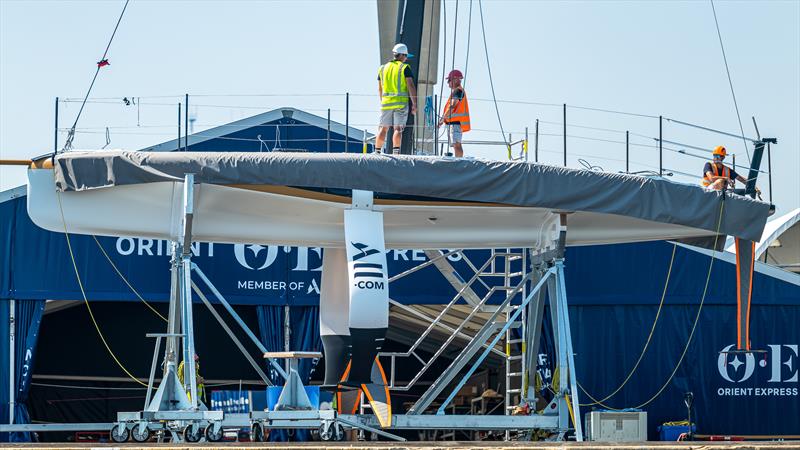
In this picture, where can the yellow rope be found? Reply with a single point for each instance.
(694, 326)
(85, 300)
(126, 280)
(649, 338)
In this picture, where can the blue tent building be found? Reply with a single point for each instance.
(678, 335)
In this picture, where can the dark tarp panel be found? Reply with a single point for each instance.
(612, 292)
(304, 336)
(245, 274)
(734, 393)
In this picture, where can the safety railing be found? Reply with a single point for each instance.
(552, 130)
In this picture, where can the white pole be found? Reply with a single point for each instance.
(11, 353)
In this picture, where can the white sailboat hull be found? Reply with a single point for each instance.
(229, 214)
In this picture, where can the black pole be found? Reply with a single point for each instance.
(733, 160)
(55, 142)
(536, 143)
(660, 146)
(627, 151)
(436, 129)
(186, 121)
(769, 174)
(178, 145)
(328, 141)
(346, 121)
(565, 135)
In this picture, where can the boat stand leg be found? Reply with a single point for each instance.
(569, 352)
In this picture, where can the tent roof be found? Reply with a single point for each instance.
(260, 119)
(780, 241)
(11, 194)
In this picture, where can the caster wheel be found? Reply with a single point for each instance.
(257, 433)
(140, 433)
(338, 432)
(120, 434)
(191, 436)
(333, 432)
(211, 436)
(325, 433)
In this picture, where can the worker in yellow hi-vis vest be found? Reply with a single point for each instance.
(201, 387)
(396, 89)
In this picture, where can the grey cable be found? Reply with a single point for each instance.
(455, 38)
(71, 134)
(469, 35)
(489, 68)
(730, 81)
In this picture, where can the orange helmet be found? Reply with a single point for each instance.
(719, 150)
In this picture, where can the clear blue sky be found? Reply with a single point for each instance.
(656, 58)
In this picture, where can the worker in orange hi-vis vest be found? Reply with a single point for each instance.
(717, 175)
(456, 112)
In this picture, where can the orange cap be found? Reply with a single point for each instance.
(719, 150)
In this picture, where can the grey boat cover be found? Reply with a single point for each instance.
(510, 183)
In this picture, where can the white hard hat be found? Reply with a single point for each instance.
(400, 49)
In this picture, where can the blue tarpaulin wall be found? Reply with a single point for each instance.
(613, 292)
(303, 336)
(27, 318)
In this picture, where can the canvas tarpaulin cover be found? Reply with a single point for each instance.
(509, 183)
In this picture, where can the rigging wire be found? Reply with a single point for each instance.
(100, 64)
(489, 68)
(455, 38)
(730, 80)
(469, 35)
(694, 325)
(444, 51)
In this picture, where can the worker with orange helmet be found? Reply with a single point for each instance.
(456, 112)
(716, 175)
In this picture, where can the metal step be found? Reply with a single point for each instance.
(452, 277)
(484, 334)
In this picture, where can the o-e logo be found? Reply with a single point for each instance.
(241, 255)
(723, 363)
(782, 362)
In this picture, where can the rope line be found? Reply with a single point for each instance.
(124, 279)
(649, 337)
(85, 299)
(694, 325)
(730, 80)
(71, 135)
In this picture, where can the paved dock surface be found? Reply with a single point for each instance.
(756, 445)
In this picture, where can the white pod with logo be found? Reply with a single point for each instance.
(369, 290)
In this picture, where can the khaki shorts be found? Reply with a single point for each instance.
(454, 131)
(397, 118)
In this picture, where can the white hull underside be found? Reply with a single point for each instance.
(227, 214)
